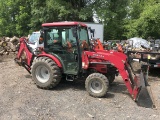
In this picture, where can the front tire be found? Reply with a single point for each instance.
(96, 85)
(45, 73)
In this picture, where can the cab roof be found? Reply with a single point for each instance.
(65, 23)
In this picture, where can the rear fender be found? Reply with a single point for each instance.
(55, 59)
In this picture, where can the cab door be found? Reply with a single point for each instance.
(70, 56)
(64, 49)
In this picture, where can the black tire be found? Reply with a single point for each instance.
(111, 78)
(96, 85)
(45, 73)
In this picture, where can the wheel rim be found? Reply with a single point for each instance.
(95, 86)
(42, 74)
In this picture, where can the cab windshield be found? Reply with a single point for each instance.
(62, 35)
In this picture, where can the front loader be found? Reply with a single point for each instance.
(67, 54)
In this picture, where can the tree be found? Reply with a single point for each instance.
(7, 18)
(23, 17)
(14, 17)
(146, 23)
(122, 19)
(112, 13)
(59, 10)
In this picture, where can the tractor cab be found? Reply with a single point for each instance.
(66, 41)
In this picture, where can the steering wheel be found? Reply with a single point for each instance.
(68, 46)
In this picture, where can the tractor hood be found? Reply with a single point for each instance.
(112, 53)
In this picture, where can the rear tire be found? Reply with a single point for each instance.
(45, 73)
(96, 85)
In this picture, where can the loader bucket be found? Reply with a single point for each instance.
(141, 90)
(145, 97)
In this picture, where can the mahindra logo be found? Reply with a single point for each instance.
(98, 55)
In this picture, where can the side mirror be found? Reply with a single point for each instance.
(41, 32)
(92, 31)
(74, 32)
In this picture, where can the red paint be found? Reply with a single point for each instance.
(43, 54)
(64, 24)
(23, 48)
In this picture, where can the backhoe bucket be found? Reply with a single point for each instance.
(145, 97)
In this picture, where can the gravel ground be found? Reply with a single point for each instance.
(22, 100)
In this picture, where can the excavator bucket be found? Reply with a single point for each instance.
(144, 96)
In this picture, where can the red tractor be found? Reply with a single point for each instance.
(67, 53)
